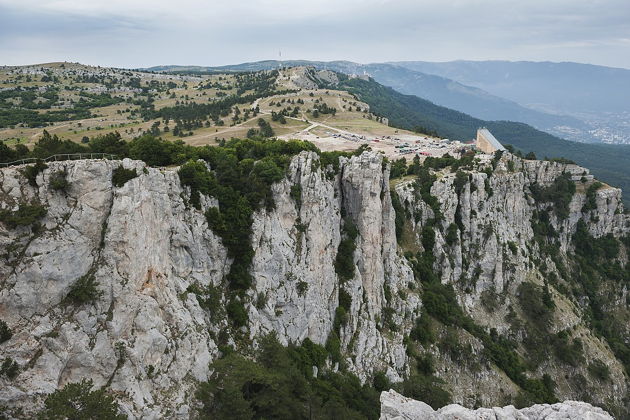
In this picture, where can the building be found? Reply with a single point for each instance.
(486, 142)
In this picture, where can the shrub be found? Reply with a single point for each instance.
(531, 298)
(31, 172)
(461, 179)
(9, 368)
(333, 347)
(422, 330)
(78, 401)
(426, 389)
(344, 261)
(5, 332)
(209, 298)
(399, 220)
(591, 196)
(426, 364)
(120, 176)
(302, 288)
(451, 234)
(569, 353)
(560, 193)
(279, 383)
(58, 181)
(237, 313)
(296, 194)
(84, 290)
(513, 247)
(398, 169)
(25, 215)
(381, 382)
(599, 370)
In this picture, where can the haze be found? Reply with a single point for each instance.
(143, 33)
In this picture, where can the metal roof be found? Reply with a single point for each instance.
(490, 138)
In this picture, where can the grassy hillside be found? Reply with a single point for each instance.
(609, 163)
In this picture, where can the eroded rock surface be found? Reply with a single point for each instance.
(397, 407)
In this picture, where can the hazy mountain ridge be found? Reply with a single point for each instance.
(594, 94)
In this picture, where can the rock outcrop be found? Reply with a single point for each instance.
(397, 407)
(496, 250)
(146, 337)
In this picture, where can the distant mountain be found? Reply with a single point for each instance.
(597, 95)
(570, 88)
(440, 90)
(473, 101)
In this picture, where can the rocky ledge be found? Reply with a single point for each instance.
(397, 407)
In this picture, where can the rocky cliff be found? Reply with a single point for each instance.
(149, 334)
(396, 407)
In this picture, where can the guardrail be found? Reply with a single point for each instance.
(60, 157)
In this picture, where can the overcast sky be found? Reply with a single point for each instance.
(143, 33)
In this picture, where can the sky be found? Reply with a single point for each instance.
(144, 33)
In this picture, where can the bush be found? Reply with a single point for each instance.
(461, 179)
(9, 368)
(513, 247)
(84, 290)
(591, 196)
(381, 382)
(120, 176)
(278, 384)
(237, 313)
(344, 261)
(422, 331)
(78, 401)
(599, 370)
(302, 288)
(399, 220)
(451, 234)
(58, 181)
(296, 194)
(209, 298)
(532, 300)
(560, 193)
(398, 169)
(569, 353)
(25, 215)
(426, 389)
(31, 172)
(5, 332)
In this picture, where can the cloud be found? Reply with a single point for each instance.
(143, 32)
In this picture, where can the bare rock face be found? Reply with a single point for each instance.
(397, 407)
(495, 252)
(296, 246)
(146, 337)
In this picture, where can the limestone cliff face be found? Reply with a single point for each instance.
(496, 251)
(396, 407)
(296, 246)
(148, 339)
(144, 337)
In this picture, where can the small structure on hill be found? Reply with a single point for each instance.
(486, 142)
